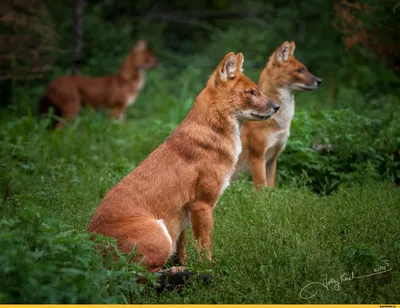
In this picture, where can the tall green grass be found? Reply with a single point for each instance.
(269, 246)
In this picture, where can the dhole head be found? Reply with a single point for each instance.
(238, 94)
(143, 58)
(290, 73)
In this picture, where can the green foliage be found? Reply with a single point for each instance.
(373, 25)
(339, 147)
(45, 262)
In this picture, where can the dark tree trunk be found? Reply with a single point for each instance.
(77, 56)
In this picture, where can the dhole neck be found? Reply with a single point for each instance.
(129, 72)
(273, 87)
(285, 99)
(206, 112)
(283, 96)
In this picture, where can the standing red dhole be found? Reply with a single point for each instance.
(181, 181)
(66, 94)
(262, 142)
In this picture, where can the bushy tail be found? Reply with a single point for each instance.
(176, 280)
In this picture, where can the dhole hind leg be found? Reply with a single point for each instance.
(150, 236)
(69, 111)
(258, 172)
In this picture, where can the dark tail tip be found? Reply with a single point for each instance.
(176, 280)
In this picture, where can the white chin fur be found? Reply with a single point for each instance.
(250, 115)
(303, 87)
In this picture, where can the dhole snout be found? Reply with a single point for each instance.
(150, 61)
(143, 57)
(261, 106)
(308, 81)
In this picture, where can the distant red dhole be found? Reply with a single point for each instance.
(66, 94)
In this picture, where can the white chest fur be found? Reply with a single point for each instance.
(285, 114)
(276, 141)
(236, 152)
(237, 143)
(139, 86)
(142, 80)
(131, 100)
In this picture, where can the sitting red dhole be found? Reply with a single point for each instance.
(182, 180)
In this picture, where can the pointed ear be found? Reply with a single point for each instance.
(140, 46)
(292, 48)
(239, 62)
(227, 68)
(282, 54)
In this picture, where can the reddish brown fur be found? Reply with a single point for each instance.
(66, 94)
(262, 142)
(181, 181)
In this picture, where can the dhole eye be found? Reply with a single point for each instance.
(252, 92)
(300, 70)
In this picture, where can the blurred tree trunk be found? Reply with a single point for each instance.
(77, 56)
(27, 39)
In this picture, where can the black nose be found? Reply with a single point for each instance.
(276, 107)
(319, 81)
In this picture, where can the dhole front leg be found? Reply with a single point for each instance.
(118, 113)
(181, 255)
(258, 172)
(271, 172)
(202, 226)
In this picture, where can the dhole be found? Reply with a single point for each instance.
(262, 142)
(66, 94)
(181, 181)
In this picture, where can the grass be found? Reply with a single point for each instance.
(267, 246)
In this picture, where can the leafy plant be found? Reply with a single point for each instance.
(45, 262)
(337, 147)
